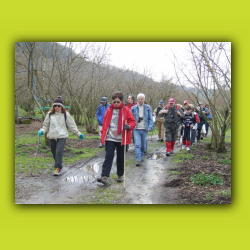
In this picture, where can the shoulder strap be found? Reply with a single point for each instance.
(167, 106)
(178, 107)
(65, 118)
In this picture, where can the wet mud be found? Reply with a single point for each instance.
(77, 184)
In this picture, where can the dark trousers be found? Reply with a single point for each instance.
(57, 147)
(186, 134)
(110, 147)
(199, 134)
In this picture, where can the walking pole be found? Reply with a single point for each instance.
(36, 152)
(124, 184)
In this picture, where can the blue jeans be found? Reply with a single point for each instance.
(140, 136)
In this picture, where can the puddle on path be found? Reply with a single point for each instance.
(156, 156)
(89, 173)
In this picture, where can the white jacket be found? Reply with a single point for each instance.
(56, 127)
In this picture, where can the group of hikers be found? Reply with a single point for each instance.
(119, 123)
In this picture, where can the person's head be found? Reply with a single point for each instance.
(104, 100)
(171, 102)
(200, 104)
(141, 98)
(188, 109)
(161, 103)
(207, 105)
(131, 99)
(58, 105)
(117, 98)
(192, 107)
(186, 103)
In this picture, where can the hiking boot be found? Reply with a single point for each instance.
(103, 180)
(188, 149)
(138, 163)
(167, 154)
(161, 139)
(120, 179)
(57, 171)
(172, 152)
(101, 146)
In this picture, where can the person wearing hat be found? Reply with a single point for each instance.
(101, 110)
(56, 123)
(159, 120)
(172, 114)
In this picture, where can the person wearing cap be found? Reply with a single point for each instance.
(172, 114)
(144, 124)
(56, 123)
(159, 120)
(100, 114)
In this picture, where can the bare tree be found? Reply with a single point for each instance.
(209, 72)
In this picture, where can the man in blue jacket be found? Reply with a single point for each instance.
(101, 110)
(144, 124)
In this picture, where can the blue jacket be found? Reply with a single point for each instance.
(101, 110)
(208, 113)
(147, 117)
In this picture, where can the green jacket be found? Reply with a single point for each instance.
(172, 120)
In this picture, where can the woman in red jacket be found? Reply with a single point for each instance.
(117, 119)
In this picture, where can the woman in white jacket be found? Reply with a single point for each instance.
(56, 123)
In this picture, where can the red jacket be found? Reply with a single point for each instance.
(126, 116)
(128, 105)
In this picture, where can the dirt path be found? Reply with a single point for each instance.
(78, 185)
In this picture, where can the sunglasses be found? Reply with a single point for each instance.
(57, 106)
(116, 102)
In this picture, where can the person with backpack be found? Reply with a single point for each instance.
(188, 122)
(172, 114)
(56, 123)
(159, 120)
(100, 114)
(144, 124)
(117, 119)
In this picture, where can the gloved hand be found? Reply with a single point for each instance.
(40, 132)
(126, 126)
(81, 137)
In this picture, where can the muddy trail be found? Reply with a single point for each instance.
(78, 185)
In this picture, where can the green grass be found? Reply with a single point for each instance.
(209, 197)
(181, 156)
(173, 172)
(224, 193)
(104, 196)
(206, 180)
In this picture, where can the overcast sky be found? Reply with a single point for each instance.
(154, 56)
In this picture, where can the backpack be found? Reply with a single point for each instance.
(197, 119)
(65, 117)
(177, 106)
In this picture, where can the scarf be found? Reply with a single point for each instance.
(109, 117)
